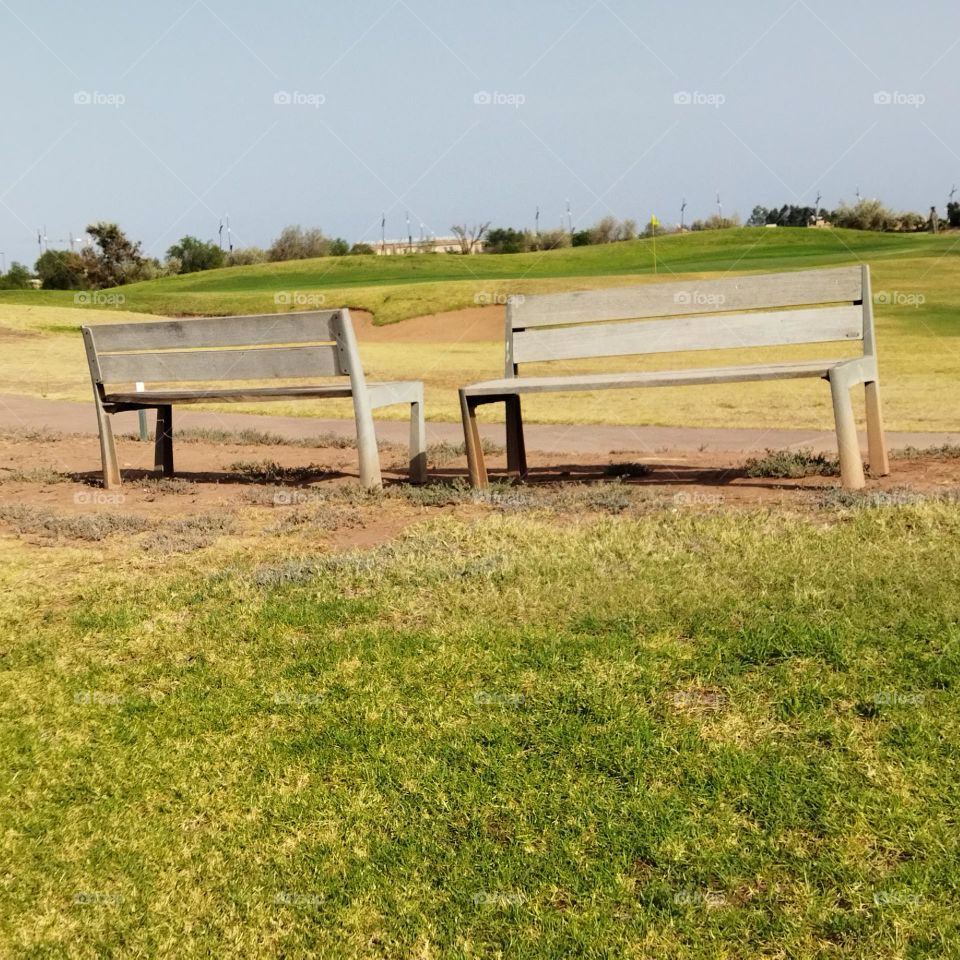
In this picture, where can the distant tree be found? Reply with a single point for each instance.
(716, 222)
(245, 256)
(18, 277)
(339, 247)
(627, 230)
(605, 230)
(581, 238)
(910, 222)
(114, 259)
(470, 237)
(864, 215)
(62, 270)
(295, 243)
(759, 217)
(554, 239)
(362, 249)
(195, 254)
(505, 240)
(953, 214)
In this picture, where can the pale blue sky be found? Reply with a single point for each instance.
(784, 107)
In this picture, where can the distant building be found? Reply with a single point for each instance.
(394, 248)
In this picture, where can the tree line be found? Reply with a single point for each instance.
(112, 259)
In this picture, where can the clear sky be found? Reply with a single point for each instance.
(166, 116)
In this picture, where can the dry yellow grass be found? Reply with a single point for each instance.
(920, 373)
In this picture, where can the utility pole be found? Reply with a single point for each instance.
(719, 206)
(409, 233)
(537, 218)
(859, 198)
(683, 208)
(220, 234)
(229, 235)
(383, 233)
(569, 219)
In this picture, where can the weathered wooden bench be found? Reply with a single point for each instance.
(266, 351)
(815, 306)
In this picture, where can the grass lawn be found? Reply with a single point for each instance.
(665, 734)
(916, 277)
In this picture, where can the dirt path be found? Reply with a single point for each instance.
(18, 412)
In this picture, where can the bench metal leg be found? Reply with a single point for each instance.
(163, 441)
(418, 444)
(471, 437)
(108, 448)
(851, 466)
(876, 440)
(516, 448)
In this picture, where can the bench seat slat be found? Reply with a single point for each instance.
(174, 366)
(307, 327)
(767, 291)
(718, 331)
(148, 398)
(655, 378)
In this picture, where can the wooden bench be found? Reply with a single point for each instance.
(267, 351)
(815, 306)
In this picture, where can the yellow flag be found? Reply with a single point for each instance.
(654, 222)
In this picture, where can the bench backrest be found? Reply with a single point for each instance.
(210, 349)
(729, 313)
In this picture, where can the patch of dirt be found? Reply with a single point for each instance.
(58, 478)
(472, 325)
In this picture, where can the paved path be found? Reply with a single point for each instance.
(68, 417)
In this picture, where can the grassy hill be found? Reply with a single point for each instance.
(917, 321)
(395, 288)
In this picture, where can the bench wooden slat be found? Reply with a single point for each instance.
(267, 363)
(687, 297)
(307, 327)
(149, 398)
(719, 331)
(653, 378)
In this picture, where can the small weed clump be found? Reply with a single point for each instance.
(83, 526)
(792, 465)
(189, 534)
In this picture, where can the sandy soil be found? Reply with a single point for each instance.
(61, 475)
(473, 325)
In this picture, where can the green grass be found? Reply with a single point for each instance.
(678, 735)
(396, 288)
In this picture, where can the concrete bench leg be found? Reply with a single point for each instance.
(163, 441)
(516, 448)
(851, 466)
(877, 443)
(471, 437)
(108, 448)
(418, 443)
